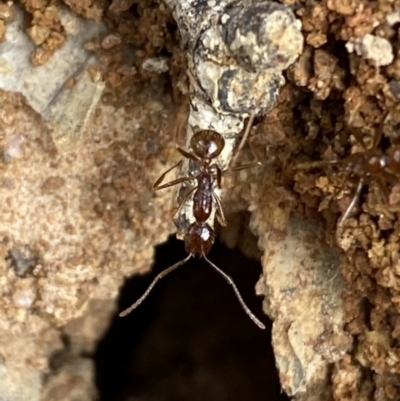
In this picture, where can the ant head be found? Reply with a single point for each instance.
(394, 159)
(207, 144)
(199, 239)
(376, 163)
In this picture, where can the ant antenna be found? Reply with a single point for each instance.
(244, 137)
(353, 202)
(151, 286)
(246, 134)
(239, 297)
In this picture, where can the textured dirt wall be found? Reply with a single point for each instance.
(78, 212)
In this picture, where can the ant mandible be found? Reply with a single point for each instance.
(199, 237)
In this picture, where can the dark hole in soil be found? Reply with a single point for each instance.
(190, 339)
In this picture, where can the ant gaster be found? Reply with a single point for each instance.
(199, 237)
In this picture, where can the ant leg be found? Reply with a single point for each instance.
(244, 137)
(257, 160)
(181, 119)
(246, 166)
(183, 201)
(219, 177)
(241, 167)
(151, 286)
(383, 188)
(255, 163)
(187, 154)
(180, 149)
(239, 297)
(359, 138)
(172, 183)
(220, 212)
(162, 176)
(313, 164)
(378, 135)
(352, 203)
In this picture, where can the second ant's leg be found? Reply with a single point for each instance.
(378, 134)
(314, 164)
(383, 188)
(359, 138)
(352, 204)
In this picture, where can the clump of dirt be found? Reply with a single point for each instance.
(44, 27)
(59, 214)
(143, 42)
(6, 15)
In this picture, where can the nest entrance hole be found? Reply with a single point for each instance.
(190, 339)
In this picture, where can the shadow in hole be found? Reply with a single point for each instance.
(190, 339)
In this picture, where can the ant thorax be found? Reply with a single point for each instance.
(193, 168)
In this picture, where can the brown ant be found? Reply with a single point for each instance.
(199, 236)
(370, 164)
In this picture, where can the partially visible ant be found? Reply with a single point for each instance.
(366, 166)
(199, 237)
